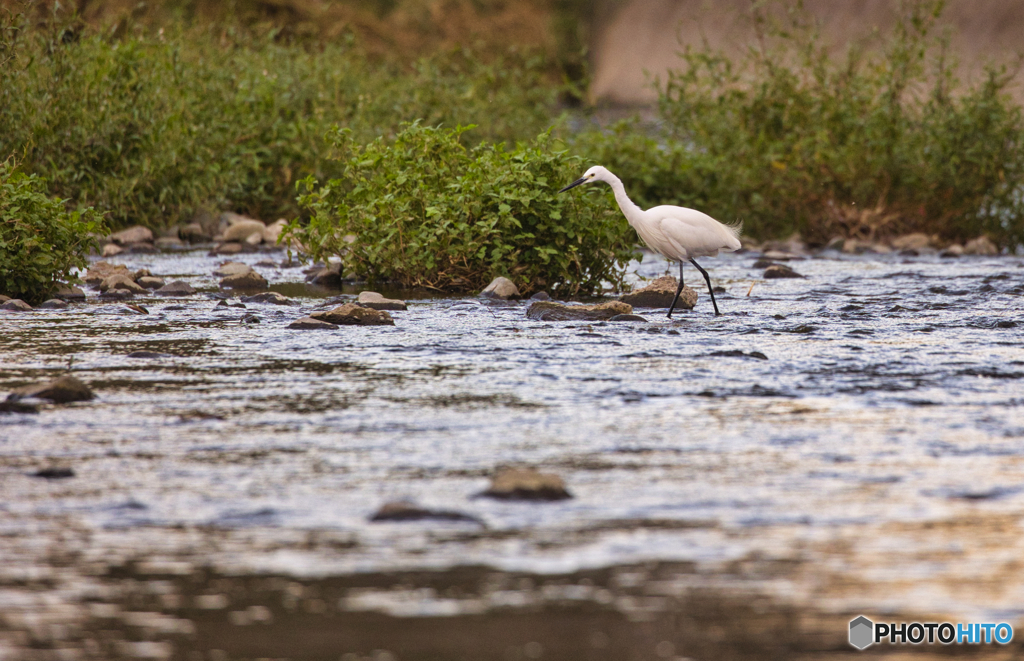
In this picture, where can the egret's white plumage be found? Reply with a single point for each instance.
(677, 233)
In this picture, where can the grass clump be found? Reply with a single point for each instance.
(871, 143)
(151, 127)
(423, 210)
(41, 243)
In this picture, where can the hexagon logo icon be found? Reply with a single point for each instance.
(861, 632)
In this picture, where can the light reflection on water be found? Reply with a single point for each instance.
(891, 396)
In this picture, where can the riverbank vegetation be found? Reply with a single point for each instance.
(151, 113)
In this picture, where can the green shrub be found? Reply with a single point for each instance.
(149, 128)
(422, 210)
(792, 138)
(41, 243)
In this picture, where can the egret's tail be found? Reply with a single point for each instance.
(735, 229)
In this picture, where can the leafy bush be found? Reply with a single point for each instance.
(423, 210)
(149, 128)
(41, 243)
(792, 138)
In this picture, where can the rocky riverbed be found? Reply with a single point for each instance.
(850, 441)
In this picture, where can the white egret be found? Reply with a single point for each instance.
(677, 233)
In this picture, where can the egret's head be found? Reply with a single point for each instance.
(596, 173)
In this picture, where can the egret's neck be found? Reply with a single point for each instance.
(630, 210)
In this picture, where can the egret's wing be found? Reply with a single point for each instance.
(690, 233)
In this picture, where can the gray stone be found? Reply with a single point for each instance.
(329, 276)
(249, 280)
(232, 268)
(124, 282)
(269, 297)
(552, 311)
(53, 304)
(69, 293)
(780, 271)
(16, 305)
(150, 282)
(117, 294)
(371, 299)
(914, 241)
(501, 288)
(241, 229)
(136, 234)
(351, 314)
(100, 271)
(176, 288)
(62, 390)
(169, 243)
(541, 296)
(111, 249)
(659, 294)
(980, 246)
(526, 484)
(309, 323)
(141, 248)
(194, 233)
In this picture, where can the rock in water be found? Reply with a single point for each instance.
(980, 246)
(53, 304)
(193, 233)
(100, 271)
(232, 268)
(309, 323)
(111, 250)
(269, 297)
(659, 294)
(501, 288)
(551, 311)
(69, 293)
(176, 288)
(780, 271)
(351, 314)
(63, 390)
(249, 280)
(401, 510)
(150, 282)
(328, 276)
(122, 282)
(375, 301)
(16, 305)
(526, 484)
(137, 234)
(628, 317)
(242, 229)
(914, 241)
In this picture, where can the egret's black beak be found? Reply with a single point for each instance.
(581, 180)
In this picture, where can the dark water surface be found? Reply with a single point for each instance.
(849, 442)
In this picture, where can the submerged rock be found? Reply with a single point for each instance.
(269, 297)
(659, 294)
(552, 311)
(61, 390)
(148, 354)
(309, 323)
(526, 484)
(780, 271)
(54, 473)
(371, 299)
(15, 305)
(248, 280)
(53, 304)
(176, 288)
(351, 314)
(401, 510)
(628, 317)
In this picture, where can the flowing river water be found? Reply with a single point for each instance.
(851, 442)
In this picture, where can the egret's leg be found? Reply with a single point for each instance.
(708, 280)
(678, 291)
